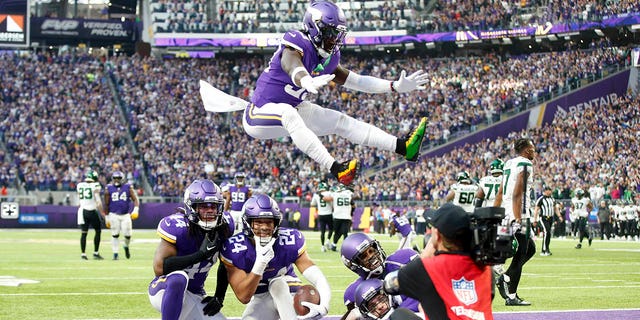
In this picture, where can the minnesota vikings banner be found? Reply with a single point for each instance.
(14, 26)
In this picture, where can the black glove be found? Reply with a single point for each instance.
(210, 245)
(213, 305)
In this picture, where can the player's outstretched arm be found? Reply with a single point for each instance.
(371, 84)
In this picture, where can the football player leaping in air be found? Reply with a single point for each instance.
(304, 62)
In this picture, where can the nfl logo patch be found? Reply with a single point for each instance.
(465, 291)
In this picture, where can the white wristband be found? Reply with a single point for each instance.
(368, 84)
(318, 280)
(258, 267)
(295, 72)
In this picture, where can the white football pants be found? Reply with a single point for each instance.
(306, 122)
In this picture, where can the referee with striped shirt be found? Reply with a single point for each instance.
(544, 211)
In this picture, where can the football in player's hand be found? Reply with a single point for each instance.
(306, 293)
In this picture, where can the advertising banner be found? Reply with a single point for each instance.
(14, 26)
(81, 29)
(357, 38)
(603, 92)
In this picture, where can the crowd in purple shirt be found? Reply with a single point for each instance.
(58, 118)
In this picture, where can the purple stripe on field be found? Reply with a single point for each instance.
(628, 314)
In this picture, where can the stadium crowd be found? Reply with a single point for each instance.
(177, 139)
(57, 120)
(445, 16)
(450, 15)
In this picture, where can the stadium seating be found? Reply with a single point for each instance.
(175, 140)
(236, 16)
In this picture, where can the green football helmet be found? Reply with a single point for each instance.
(91, 175)
(323, 186)
(496, 166)
(463, 177)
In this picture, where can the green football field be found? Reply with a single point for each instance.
(54, 283)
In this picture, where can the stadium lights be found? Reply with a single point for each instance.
(430, 45)
(506, 41)
(635, 27)
(599, 32)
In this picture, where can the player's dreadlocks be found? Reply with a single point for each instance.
(521, 143)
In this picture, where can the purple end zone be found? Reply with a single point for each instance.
(627, 314)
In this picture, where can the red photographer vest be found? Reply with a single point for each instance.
(464, 287)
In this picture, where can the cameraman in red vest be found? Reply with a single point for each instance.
(446, 280)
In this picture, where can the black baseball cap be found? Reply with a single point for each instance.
(451, 221)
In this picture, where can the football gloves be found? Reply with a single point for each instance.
(134, 213)
(213, 305)
(264, 254)
(411, 82)
(312, 84)
(316, 311)
(210, 245)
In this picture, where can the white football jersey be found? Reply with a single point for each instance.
(324, 208)
(87, 192)
(490, 186)
(342, 204)
(513, 168)
(619, 212)
(631, 212)
(465, 194)
(580, 207)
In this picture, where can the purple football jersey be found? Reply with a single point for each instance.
(276, 86)
(174, 229)
(240, 252)
(350, 292)
(119, 198)
(402, 225)
(239, 195)
(394, 262)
